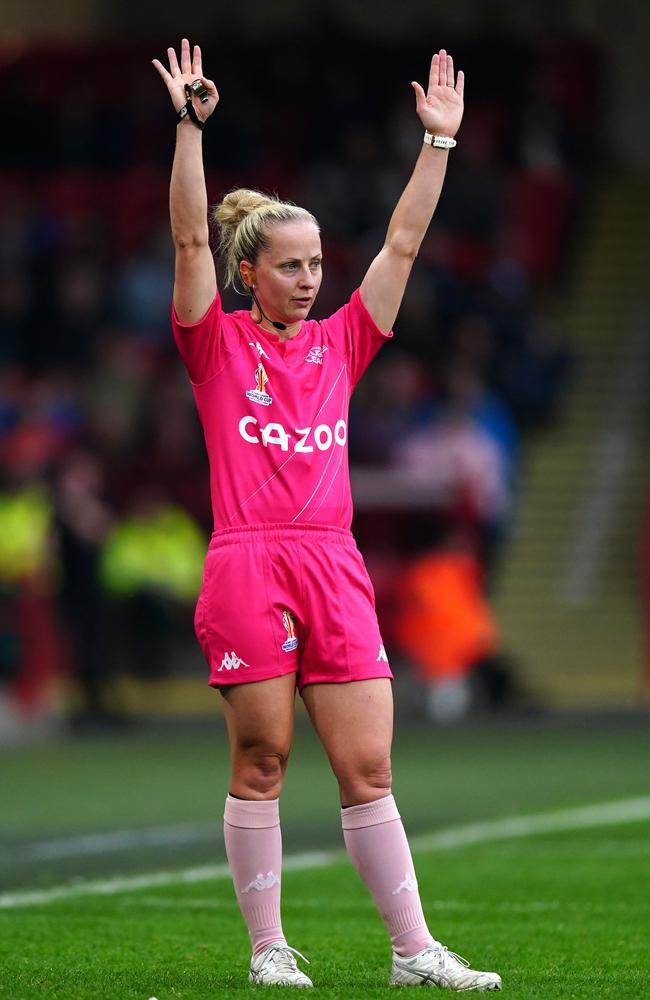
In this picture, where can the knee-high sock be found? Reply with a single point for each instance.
(377, 844)
(254, 848)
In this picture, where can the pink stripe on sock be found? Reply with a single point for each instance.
(377, 844)
(253, 841)
(369, 814)
(252, 815)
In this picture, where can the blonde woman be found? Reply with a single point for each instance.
(286, 601)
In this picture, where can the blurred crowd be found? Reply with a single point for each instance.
(104, 492)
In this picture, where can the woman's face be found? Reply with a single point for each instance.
(287, 276)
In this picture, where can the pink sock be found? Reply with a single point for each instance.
(253, 840)
(377, 844)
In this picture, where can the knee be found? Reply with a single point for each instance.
(258, 772)
(364, 780)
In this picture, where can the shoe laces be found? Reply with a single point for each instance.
(443, 953)
(286, 962)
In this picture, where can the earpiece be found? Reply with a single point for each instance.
(278, 326)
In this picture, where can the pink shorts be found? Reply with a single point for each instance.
(280, 599)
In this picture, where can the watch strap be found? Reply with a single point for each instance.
(439, 141)
(188, 110)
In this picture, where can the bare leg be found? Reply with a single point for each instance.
(355, 723)
(259, 717)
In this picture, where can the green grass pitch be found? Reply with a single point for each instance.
(558, 915)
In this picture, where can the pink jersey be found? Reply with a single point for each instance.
(275, 414)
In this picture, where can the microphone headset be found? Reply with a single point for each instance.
(278, 326)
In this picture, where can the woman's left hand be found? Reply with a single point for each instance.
(440, 110)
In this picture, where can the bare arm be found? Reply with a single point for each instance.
(440, 111)
(195, 283)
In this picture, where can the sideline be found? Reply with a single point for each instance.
(119, 840)
(581, 818)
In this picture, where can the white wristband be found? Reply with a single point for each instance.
(439, 141)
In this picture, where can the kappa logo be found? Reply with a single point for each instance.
(232, 662)
(315, 355)
(258, 347)
(262, 882)
(409, 884)
(291, 642)
(382, 654)
(258, 395)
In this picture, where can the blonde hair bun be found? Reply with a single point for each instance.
(237, 205)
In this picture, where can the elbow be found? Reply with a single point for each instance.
(402, 246)
(190, 241)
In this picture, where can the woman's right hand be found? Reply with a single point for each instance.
(189, 70)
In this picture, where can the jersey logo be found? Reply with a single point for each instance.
(323, 436)
(258, 347)
(263, 882)
(292, 639)
(232, 662)
(382, 654)
(257, 395)
(315, 355)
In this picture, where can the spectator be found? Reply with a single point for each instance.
(82, 521)
(445, 625)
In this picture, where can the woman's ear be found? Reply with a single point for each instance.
(247, 272)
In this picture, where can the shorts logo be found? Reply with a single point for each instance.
(289, 623)
(232, 662)
(315, 355)
(382, 654)
(258, 395)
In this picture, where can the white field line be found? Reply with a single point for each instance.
(473, 905)
(582, 818)
(119, 840)
(128, 883)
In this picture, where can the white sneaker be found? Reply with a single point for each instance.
(276, 966)
(440, 967)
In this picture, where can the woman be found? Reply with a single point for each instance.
(286, 600)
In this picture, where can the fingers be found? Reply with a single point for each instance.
(211, 87)
(450, 71)
(441, 73)
(188, 66)
(420, 96)
(197, 68)
(186, 62)
(174, 68)
(460, 83)
(434, 72)
(161, 69)
(442, 68)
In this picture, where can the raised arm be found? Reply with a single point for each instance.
(440, 110)
(195, 283)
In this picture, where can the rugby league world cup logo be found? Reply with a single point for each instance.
(257, 395)
(292, 639)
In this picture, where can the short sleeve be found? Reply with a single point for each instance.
(200, 344)
(353, 331)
